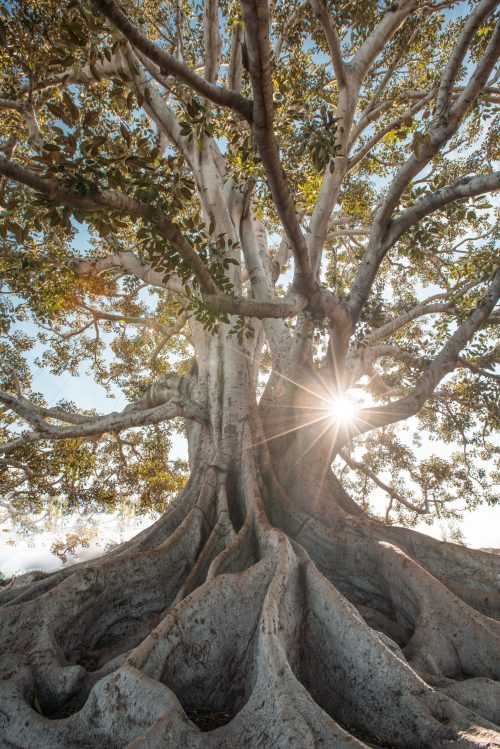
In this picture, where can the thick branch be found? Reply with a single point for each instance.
(113, 201)
(256, 19)
(214, 302)
(236, 59)
(96, 426)
(375, 253)
(466, 188)
(169, 65)
(389, 127)
(373, 46)
(36, 415)
(452, 69)
(332, 37)
(398, 322)
(212, 39)
(250, 308)
(444, 363)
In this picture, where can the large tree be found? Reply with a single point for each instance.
(258, 211)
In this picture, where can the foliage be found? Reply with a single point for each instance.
(88, 120)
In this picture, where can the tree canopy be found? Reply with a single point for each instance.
(361, 139)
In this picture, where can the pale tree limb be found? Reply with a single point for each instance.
(370, 116)
(347, 233)
(169, 65)
(177, 406)
(372, 418)
(27, 110)
(175, 329)
(375, 252)
(258, 265)
(355, 72)
(154, 105)
(467, 187)
(212, 40)
(395, 352)
(420, 362)
(217, 303)
(392, 326)
(151, 323)
(213, 299)
(36, 415)
(256, 20)
(394, 124)
(373, 46)
(105, 69)
(357, 465)
(332, 38)
(441, 129)
(235, 72)
(380, 386)
(366, 115)
(130, 263)
(114, 201)
(452, 68)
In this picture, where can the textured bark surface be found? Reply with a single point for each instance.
(262, 610)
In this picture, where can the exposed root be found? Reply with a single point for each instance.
(228, 633)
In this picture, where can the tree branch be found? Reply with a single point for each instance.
(212, 39)
(356, 465)
(96, 426)
(214, 302)
(376, 251)
(389, 127)
(452, 68)
(256, 20)
(332, 37)
(445, 362)
(113, 201)
(372, 47)
(143, 322)
(398, 322)
(466, 188)
(169, 65)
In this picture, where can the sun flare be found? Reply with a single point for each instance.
(343, 410)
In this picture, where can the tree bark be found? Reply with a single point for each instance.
(264, 609)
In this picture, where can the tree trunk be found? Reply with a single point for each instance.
(264, 609)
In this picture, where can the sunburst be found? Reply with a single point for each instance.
(343, 410)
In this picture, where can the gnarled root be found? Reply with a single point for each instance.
(231, 632)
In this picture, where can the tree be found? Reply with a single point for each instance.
(301, 188)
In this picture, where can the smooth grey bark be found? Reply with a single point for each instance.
(262, 610)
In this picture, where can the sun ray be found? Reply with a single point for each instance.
(292, 429)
